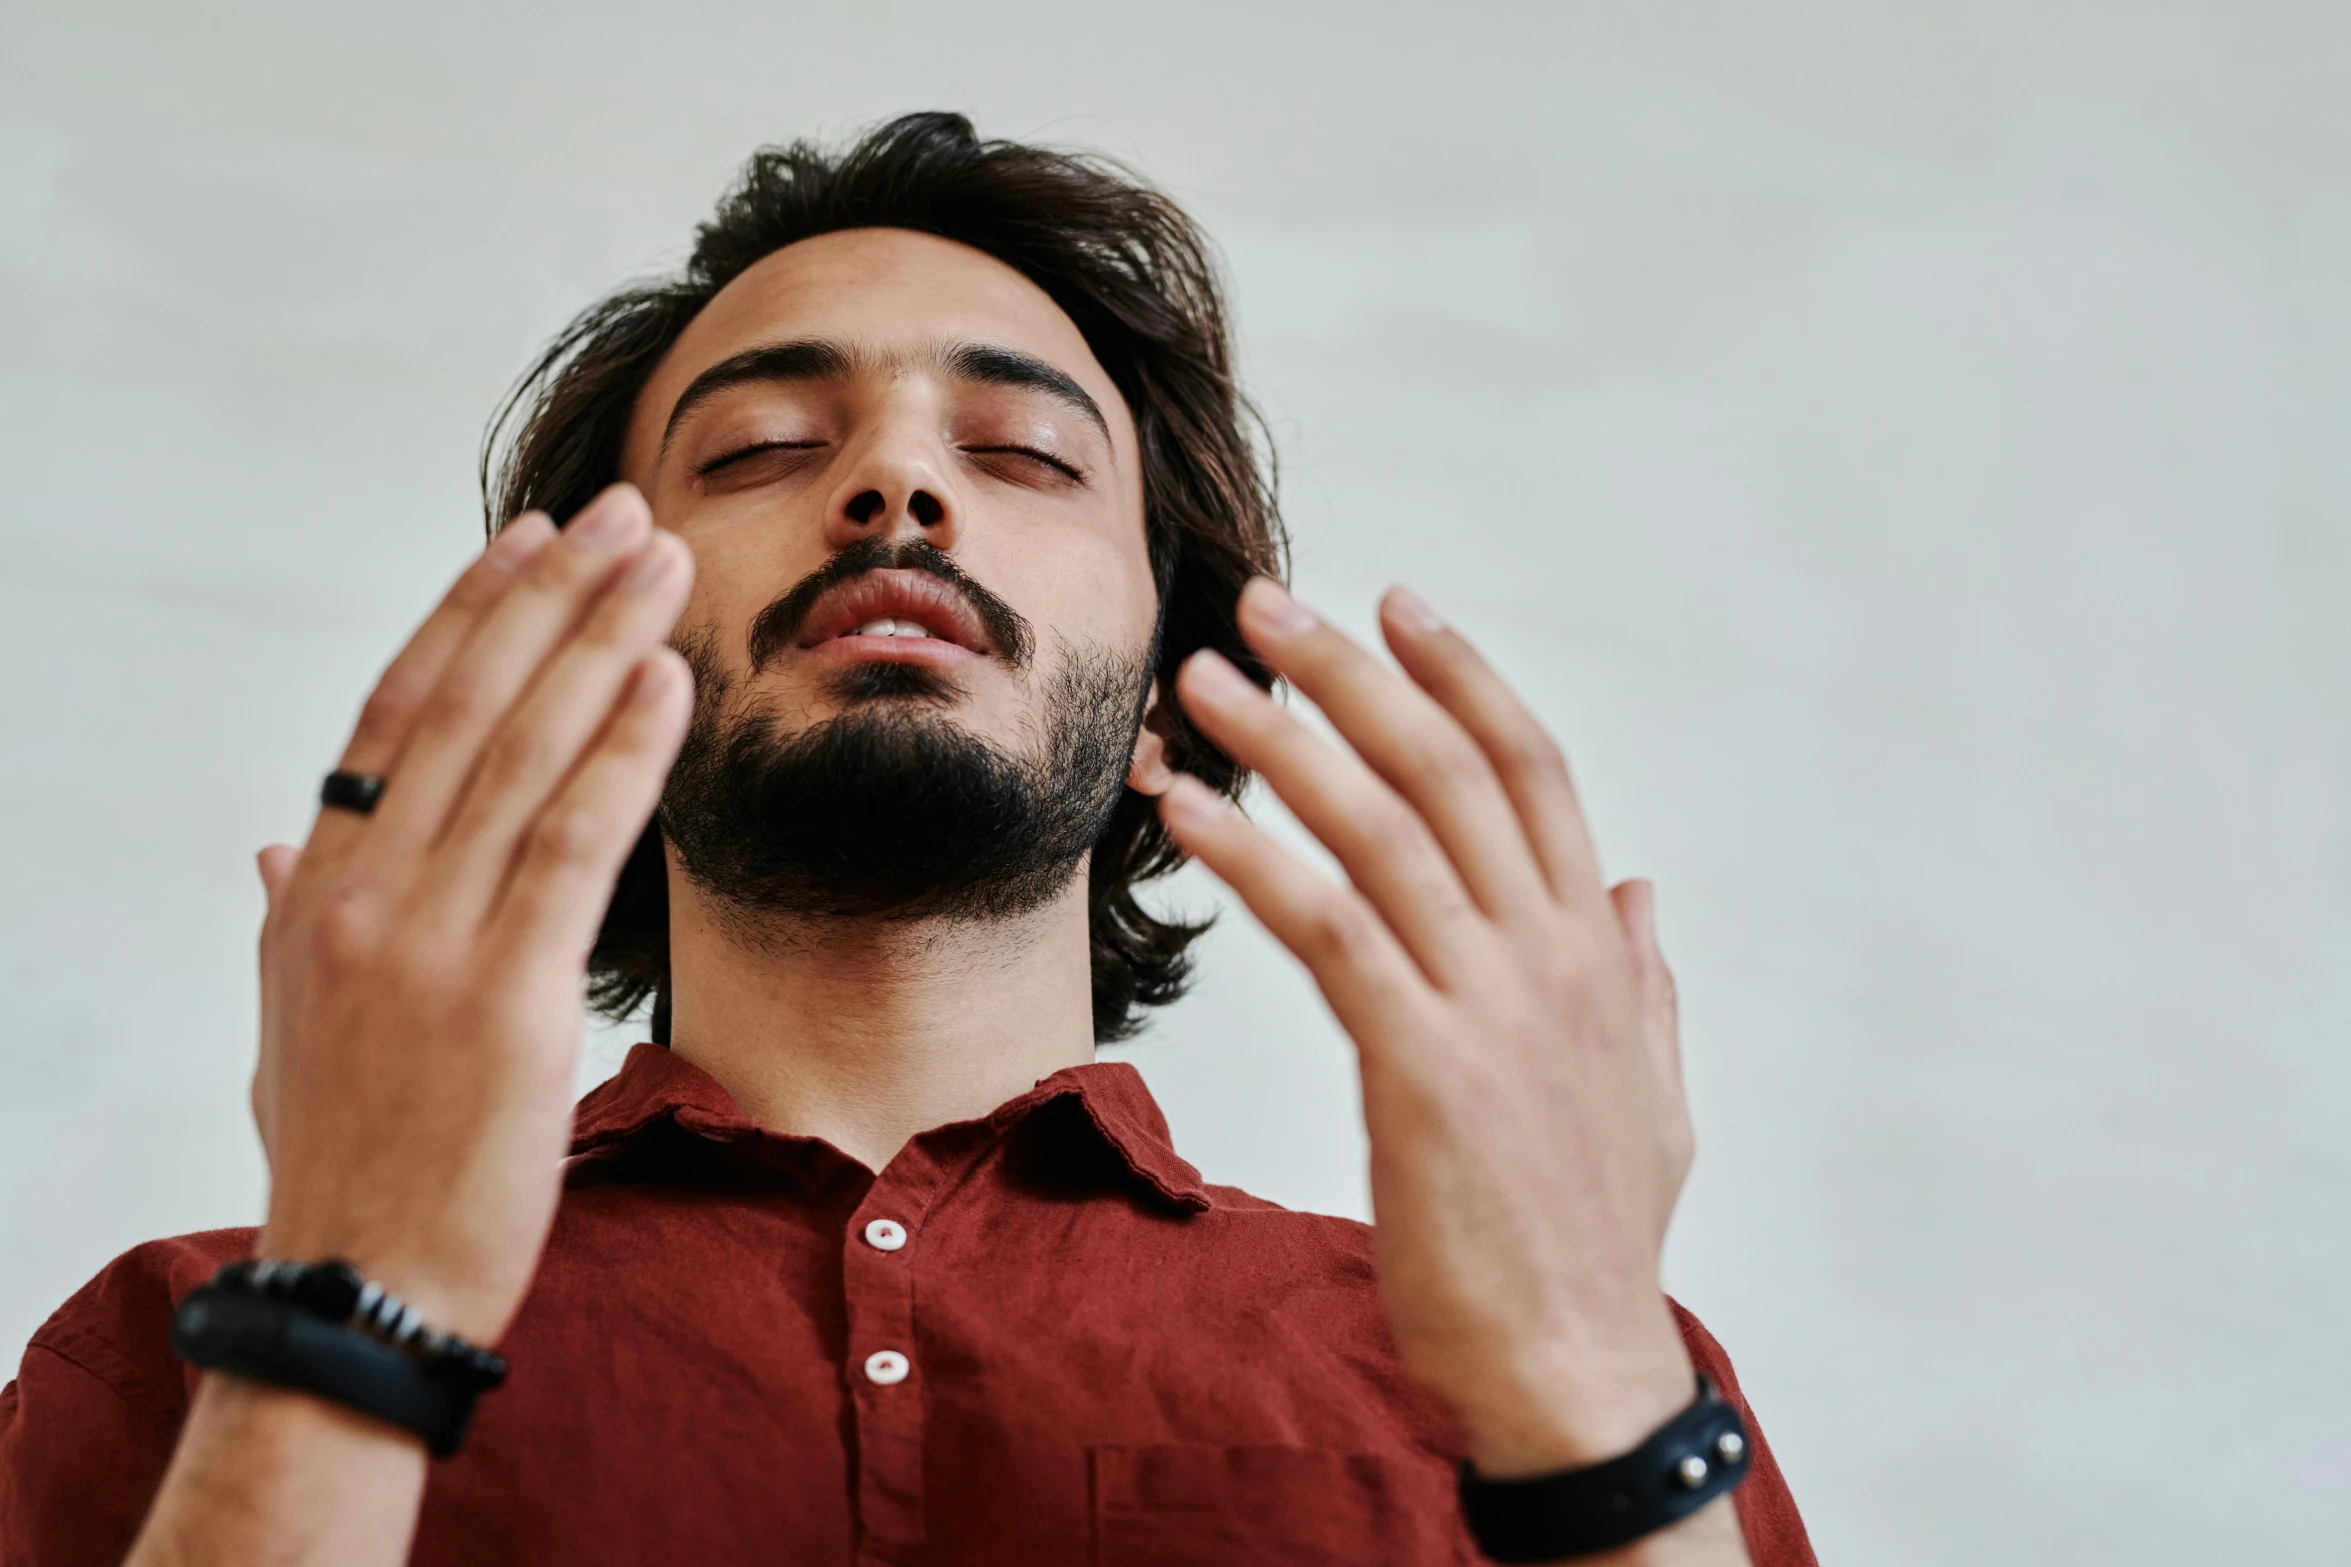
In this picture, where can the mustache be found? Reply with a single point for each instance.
(779, 625)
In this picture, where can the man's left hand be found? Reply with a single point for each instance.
(1514, 1018)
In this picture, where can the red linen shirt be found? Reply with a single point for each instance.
(1033, 1338)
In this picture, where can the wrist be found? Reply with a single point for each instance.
(324, 1329)
(1586, 1400)
(266, 1419)
(442, 1298)
(263, 1473)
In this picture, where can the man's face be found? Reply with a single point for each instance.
(916, 511)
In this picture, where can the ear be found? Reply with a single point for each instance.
(1147, 771)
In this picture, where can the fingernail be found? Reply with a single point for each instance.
(519, 540)
(1213, 676)
(647, 680)
(604, 521)
(1188, 797)
(1270, 604)
(1412, 611)
(652, 567)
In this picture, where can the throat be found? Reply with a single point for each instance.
(867, 1031)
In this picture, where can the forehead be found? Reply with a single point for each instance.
(894, 292)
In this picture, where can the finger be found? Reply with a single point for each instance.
(1381, 842)
(389, 715)
(1408, 739)
(1661, 1034)
(1526, 759)
(547, 731)
(494, 666)
(1363, 973)
(566, 866)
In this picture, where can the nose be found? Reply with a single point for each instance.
(895, 487)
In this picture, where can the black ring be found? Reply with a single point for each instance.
(351, 791)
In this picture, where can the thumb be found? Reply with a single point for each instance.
(276, 864)
(1661, 1024)
(1636, 913)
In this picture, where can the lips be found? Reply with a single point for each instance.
(891, 611)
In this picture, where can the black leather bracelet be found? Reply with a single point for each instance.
(1690, 1460)
(320, 1329)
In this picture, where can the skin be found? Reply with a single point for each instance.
(867, 1033)
(421, 967)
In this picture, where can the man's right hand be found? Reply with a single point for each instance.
(421, 999)
(421, 967)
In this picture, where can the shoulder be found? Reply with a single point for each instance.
(117, 1327)
(1294, 1233)
(88, 1425)
(1243, 1255)
(1768, 1516)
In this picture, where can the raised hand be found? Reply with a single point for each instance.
(421, 966)
(1514, 1018)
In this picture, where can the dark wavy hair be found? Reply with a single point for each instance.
(1138, 279)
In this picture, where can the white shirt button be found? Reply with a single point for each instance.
(885, 1366)
(885, 1234)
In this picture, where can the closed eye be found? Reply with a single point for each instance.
(1067, 470)
(756, 449)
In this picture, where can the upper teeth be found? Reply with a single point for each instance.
(892, 628)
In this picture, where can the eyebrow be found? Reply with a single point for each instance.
(991, 364)
(820, 359)
(808, 359)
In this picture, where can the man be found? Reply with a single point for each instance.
(917, 525)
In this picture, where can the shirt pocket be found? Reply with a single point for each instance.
(1190, 1504)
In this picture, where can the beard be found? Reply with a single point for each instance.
(891, 810)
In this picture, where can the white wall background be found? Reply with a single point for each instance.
(1900, 447)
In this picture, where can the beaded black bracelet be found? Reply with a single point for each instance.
(337, 1291)
(322, 1328)
(1686, 1463)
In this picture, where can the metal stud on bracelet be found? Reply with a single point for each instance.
(322, 1328)
(1686, 1463)
(336, 1291)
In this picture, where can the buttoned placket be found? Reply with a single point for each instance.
(882, 1245)
(881, 1249)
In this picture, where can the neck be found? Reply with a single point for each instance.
(865, 1032)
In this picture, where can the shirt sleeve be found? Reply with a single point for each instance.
(1774, 1530)
(81, 1454)
(88, 1426)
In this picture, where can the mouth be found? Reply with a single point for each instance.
(895, 616)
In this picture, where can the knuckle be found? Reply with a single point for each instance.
(520, 753)
(1531, 752)
(569, 836)
(566, 573)
(1338, 926)
(1388, 822)
(477, 589)
(464, 700)
(386, 714)
(343, 932)
(1450, 763)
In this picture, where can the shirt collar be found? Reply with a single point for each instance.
(656, 1085)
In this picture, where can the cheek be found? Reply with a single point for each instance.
(740, 567)
(1102, 596)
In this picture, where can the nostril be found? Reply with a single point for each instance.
(861, 508)
(926, 508)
